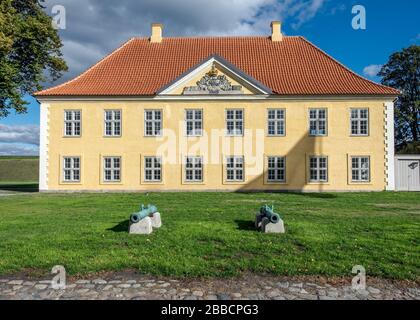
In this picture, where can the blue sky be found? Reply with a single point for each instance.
(391, 26)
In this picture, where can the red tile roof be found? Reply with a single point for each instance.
(293, 66)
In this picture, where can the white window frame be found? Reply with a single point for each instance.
(72, 122)
(317, 120)
(153, 168)
(276, 169)
(237, 160)
(359, 170)
(278, 122)
(194, 170)
(113, 121)
(72, 169)
(236, 122)
(195, 121)
(113, 169)
(153, 122)
(358, 120)
(318, 169)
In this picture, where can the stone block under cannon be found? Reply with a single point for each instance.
(268, 221)
(145, 220)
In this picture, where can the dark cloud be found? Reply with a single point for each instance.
(95, 27)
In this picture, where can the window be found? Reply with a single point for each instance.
(360, 169)
(72, 123)
(152, 169)
(193, 122)
(276, 169)
(359, 122)
(235, 169)
(318, 122)
(112, 169)
(71, 169)
(318, 169)
(194, 169)
(152, 123)
(234, 122)
(276, 122)
(112, 123)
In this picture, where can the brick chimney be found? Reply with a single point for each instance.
(156, 36)
(276, 35)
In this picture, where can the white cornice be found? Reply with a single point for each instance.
(213, 98)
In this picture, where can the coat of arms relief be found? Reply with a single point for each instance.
(213, 83)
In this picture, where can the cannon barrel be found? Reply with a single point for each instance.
(143, 213)
(268, 212)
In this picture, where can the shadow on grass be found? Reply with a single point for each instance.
(19, 187)
(318, 195)
(315, 195)
(121, 227)
(245, 225)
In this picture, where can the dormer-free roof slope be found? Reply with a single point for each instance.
(293, 66)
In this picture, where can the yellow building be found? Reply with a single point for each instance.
(218, 113)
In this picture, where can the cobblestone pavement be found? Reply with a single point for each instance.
(136, 287)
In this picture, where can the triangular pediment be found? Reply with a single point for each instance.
(214, 76)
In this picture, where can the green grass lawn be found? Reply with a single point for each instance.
(212, 234)
(17, 169)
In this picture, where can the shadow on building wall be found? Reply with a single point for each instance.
(297, 170)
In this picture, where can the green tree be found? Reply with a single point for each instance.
(403, 73)
(409, 148)
(30, 52)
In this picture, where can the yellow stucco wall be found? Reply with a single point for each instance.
(296, 146)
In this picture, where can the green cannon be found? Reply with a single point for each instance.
(143, 213)
(267, 211)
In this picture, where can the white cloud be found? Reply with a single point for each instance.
(338, 8)
(25, 134)
(17, 149)
(306, 11)
(372, 70)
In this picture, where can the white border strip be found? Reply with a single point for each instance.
(389, 146)
(43, 147)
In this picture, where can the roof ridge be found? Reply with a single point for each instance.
(88, 69)
(345, 67)
(216, 37)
